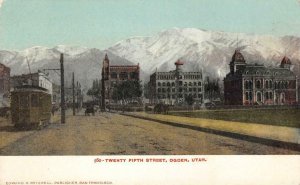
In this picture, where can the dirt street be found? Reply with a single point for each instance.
(113, 134)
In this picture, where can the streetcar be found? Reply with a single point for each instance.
(30, 107)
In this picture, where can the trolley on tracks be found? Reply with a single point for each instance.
(30, 107)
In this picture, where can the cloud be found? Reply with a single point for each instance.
(1, 1)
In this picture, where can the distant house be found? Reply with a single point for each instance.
(4, 85)
(38, 79)
(249, 84)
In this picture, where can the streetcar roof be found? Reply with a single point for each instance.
(29, 88)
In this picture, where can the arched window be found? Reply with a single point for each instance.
(258, 84)
(199, 83)
(258, 97)
(247, 96)
(173, 84)
(164, 84)
(168, 84)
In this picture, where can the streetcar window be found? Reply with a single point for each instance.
(24, 100)
(34, 100)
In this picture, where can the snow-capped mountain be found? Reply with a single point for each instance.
(199, 49)
(209, 50)
(85, 62)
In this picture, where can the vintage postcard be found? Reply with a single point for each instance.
(149, 92)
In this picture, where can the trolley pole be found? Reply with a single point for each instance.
(62, 89)
(73, 88)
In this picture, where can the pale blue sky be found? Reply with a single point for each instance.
(101, 23)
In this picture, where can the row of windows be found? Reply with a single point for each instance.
(180, 83)
(124, 75)
(264, 73)
(268, 96)
(179, 89)
(269, 84)
(172, 77)
(163, 96)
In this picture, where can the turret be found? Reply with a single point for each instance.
(286, 63)
(237, 62)
(178, 64)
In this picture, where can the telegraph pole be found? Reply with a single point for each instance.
(62, 89)
(73, 88)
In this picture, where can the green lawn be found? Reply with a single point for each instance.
(279, 117)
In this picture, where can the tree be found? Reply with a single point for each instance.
(95, 90)
(212, 88)
(189, 99)
(127, 91)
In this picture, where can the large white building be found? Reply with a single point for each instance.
(174, 86)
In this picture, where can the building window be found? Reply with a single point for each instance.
(159, 90)
(258, 84)
(158, 84)
(133, 75)
(168, 84)
(123, 75)
(114, 75)
(190, 84)
(195, 83)
(258, 97)
(173, 84)
(164, 84)
(199, 83)
(34, 100)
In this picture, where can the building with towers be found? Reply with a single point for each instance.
(254, 84)
(114, 74)
(174, 86)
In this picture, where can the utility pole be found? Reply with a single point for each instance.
(62, 89)
(73, 88)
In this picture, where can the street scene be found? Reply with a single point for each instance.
(163, 89)
(114, 134)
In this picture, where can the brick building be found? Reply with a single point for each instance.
(253, 84)
(114, 74)
(4, 85)
(174, 86)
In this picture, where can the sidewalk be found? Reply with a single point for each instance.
(267, 134)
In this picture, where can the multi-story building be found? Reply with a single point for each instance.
(174, 86)
(38, 79)
(114, 74)
(253, 84)
(4, 85)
